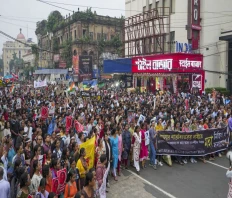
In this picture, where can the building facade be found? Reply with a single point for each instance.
(196, 26)
(14, 47)
(86, 37)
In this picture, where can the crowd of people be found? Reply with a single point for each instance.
(112, 119)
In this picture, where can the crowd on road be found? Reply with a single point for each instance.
(28, 131)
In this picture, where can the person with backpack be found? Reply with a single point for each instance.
(70, 187)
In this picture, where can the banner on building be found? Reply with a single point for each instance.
(85, 67)
(90, 150)
(75, 62)
(40, 84)
(197, 143)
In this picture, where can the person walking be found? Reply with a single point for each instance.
(114, 144)
(136, 145)
(152, 136)
(4, 185)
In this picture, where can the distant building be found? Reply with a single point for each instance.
(14, 47)
(29, 59)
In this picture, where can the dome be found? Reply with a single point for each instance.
(20, 36)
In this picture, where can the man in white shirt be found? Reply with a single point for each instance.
(4, 185)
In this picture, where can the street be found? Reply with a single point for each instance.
(188, 181)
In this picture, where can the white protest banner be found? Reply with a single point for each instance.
(51, 108)
(102, 189)
(40, 84)
(18, 103)
(147, 138)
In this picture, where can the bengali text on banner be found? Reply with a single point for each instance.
(197, 143)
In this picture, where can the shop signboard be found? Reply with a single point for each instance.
(197, 81)
(85, 67)
(75, 63)
(166, 63)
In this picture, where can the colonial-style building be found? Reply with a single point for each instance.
(15, 47)
(82, 33)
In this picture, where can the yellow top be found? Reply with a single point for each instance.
(81, 168)
(159, 127)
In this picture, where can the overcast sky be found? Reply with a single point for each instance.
(16, 14)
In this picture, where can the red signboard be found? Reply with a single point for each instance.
(75, 62)
(166, 63)
(196, 20)
(62, 64)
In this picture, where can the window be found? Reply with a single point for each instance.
(71, 35)
(105, 36)
(172, 6)
(91, 36)
(172, 36)
(98, 36)
(150, 6)
(67, 36)
(144, 8)
(84, 33)
(75, 34)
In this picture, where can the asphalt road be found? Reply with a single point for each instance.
(188, 181)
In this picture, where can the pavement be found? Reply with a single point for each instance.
(189, 181)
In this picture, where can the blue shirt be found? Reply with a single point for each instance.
(152, 134)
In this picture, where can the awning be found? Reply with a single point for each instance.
(117, 66)
(51, 71)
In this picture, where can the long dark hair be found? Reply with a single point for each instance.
(23, 179)
(82, 150)
(88, 178)
(70, 175)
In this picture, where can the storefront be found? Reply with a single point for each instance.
(175, 72)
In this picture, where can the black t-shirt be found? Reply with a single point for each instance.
(14, 126)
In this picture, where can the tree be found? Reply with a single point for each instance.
(15, 63)
(53, 20)
(41, 28)
(66, 54)
(35, 51)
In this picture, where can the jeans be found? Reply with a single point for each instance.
(152, 154)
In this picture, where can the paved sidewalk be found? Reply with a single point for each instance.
(128, 186)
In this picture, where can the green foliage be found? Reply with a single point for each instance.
(53, 21)
(87, 16)
(16, 62)
(219, 89)
(55, 45)
(66, 54)
(35, 51)
(41, 28)
(27, 70)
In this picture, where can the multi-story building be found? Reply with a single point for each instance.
(15, 47)
(196, 26)
(86, 33)
(29, 59)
